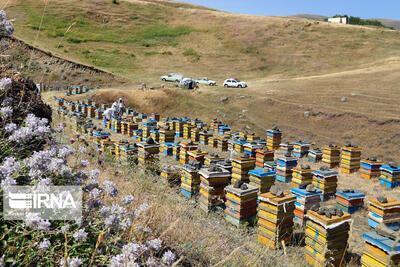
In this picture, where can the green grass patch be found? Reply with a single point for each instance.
(150, 53)
(190, 52)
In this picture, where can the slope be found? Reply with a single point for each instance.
(144, 39)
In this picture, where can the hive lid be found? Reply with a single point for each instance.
(384, 243)
(243, 190)
(390, 204)
(327, 219)
(269, 197)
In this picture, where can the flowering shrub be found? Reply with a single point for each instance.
(6, 27)
(99, 237)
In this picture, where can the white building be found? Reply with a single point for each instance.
(342, 20)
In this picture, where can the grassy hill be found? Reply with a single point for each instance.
(144, 39)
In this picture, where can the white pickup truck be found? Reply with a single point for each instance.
(172, 77)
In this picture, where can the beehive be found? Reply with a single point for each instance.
(350, 158)
(204, 137)
(179, 128)
(195, 134)
(325, 180)
(213, 142)
(251, 148)
(166, 149)
(176, 148)
(197, 155)
(212, 158)
(107, 146)
(263, 155)
(331, 155)
(213, 181)
(307, 197)
(284, 168)
(275, 219)
(380, 250)
(184, 149)
(190, 180)
(327, 233)
(225, 164)
(384, 211)
(315, 155)
(154, 133)
(128, 151)
(131, 127)
(300, 149)
(60, 102)
(118, 145)
(252, 137)
(349, 200)
(241, 165)
(187, 130)
(124, 127)
(302, 175)
(167, 135)
(99, 114)
(263, 179)
(148, 151)
(224, 129)
(116, 125)
(286, 147)
(274, 137)
(241, 204)
(390, 176)
(155, 116)
(238, 145)
(146, 127)
(222, 144)
(370, 168)
(172, 174)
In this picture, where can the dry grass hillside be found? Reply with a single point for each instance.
(298, 70)
(144, 39)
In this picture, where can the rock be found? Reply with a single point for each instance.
(244, 110)
(242, 96)
(353, 94)
(247, 127)
(382, 199)
(162, 85)
(306, 114)
(244, 187)
(237, 184)
(344, 99)
(224, 99)
(310, 188)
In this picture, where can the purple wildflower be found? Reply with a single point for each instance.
(45, 244)
(80, 235)
(168, 257)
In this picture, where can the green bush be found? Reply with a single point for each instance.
(190, 52)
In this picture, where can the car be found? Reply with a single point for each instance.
(234, 83)
(205, 81)
(172, 77)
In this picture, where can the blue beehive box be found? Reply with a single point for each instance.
(384, 243)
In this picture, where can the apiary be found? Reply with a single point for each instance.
(350, 158)
(241, 165)
(263, 155)
(213, 182)
(315, 155)
(204, 137)
(381, 249)
(172, 174)
(327, 233)
(187, 130)
(190, 180)
(176, 148)
(195, 134)
(275, 218)
(197, 155)
(390, 175)
(370, 168)
(331, 155)
(225, 164)
(274, 137)
(212, 158)
(300, 149)
(166, 149)
(325, 180)
(263, 179)
(127, 151)
(148, 151)
(385, 211)
(307, 197)
(241, 203)
(349, 200)
(184, 149)
(284, 168)
(302, 175)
